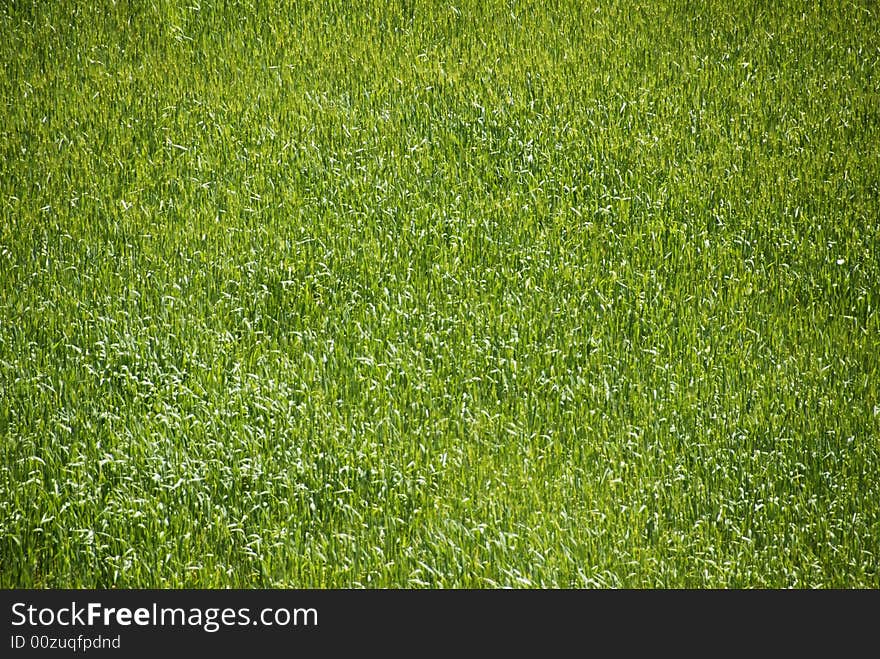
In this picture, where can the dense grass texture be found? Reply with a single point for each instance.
(431, 294)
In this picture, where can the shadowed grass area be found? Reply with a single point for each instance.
(423, 294)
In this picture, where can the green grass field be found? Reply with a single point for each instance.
(430, 294)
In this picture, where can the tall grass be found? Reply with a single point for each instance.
(430, 294)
